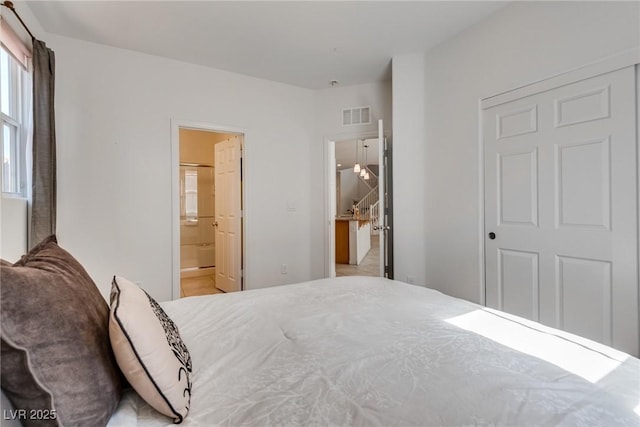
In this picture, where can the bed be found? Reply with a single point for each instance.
(350, 351)
(375, 352)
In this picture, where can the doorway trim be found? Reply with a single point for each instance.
(176, 125)
(330, 195)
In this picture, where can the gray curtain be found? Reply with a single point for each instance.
(43, 184)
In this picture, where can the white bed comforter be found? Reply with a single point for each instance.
(374, 352)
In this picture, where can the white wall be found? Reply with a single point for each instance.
(113, 113)
(13, 228)
(409, 168)
(113, 117)
(113, 126)
(328, 124)
(522, 43)
(349, 184)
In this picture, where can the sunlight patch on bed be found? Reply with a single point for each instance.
(551, 345)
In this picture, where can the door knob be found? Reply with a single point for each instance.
(492, 235)
(215, 224)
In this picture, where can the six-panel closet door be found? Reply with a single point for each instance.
(561, 241)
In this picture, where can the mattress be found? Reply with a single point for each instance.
(376, 352)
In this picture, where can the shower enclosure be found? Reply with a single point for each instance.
(197, 248)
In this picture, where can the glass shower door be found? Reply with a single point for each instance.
(197, 249)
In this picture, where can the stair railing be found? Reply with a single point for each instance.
(364, 205)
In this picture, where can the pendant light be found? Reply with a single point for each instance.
(356, 167)
(365, 173)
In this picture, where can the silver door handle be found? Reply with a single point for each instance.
(382, 227)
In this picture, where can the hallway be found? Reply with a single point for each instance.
(370, 265)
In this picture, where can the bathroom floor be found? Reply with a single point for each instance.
(193, 286)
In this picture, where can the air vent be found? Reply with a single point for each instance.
(356, 116)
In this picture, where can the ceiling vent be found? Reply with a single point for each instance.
(356, 116)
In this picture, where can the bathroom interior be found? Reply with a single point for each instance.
(197, 211)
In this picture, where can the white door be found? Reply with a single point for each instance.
(332, 202)
(228, 214)
(383, 227)
(561, 208)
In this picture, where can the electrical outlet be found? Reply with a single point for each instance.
(284, 269)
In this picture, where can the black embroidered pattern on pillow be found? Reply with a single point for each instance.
(172, 334)
(175, 342)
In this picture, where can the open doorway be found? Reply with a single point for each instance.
(208, 199)
(370, 211)
(357, 218)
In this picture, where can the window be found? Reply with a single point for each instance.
(14, 95)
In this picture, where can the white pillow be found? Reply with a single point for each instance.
(149, 350)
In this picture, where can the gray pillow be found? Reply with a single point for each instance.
(57, 362)
(9, 416)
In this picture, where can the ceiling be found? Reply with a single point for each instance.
(303, 43)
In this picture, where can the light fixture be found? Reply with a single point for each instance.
(364, 173)
(356, 167)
